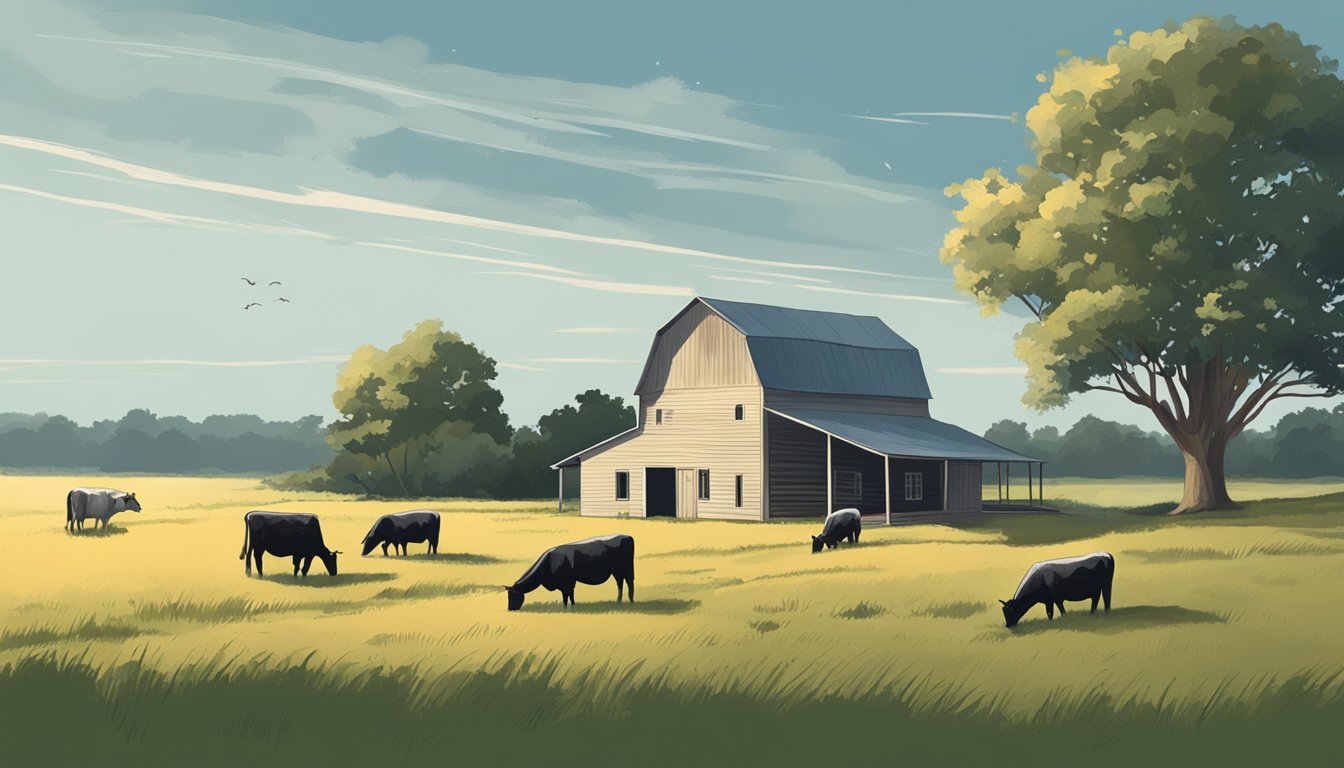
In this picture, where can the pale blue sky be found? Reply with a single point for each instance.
(552, 180)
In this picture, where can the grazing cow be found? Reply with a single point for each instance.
(97, 503)
(1053, 581)
(285, 535)
(404, 528)
(840, 525)
(591, 561)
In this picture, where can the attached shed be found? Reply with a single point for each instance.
(756, 412)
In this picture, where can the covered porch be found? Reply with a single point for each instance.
(908, 469)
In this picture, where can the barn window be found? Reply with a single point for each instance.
(622, 486)
(914, 486)
(658, 416)
(739, 412)
(704, 484)
(737, 492)
(850, 484)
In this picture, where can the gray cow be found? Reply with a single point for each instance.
(97, 503)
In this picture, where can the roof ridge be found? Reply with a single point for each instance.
(908, 348)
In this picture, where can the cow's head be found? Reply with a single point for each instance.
(515, 598)
(1013, 611)
(817, 544)
(369, 543)
(128, 502)
(329, 560)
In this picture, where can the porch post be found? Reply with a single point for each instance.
(886, 472)
(560, 493)
(946, 466)
(1008, 481)
(1029, 484)
(830, 478)
(1040, 479)
(998, 474)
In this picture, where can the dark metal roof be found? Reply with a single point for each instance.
(907, 436)
(803, 350)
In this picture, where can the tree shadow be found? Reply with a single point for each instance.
(648, 607)
(1118, 620)
(320, 579)
(457, 558)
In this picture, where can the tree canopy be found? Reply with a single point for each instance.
(1179, 240)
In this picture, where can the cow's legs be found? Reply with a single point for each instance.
(619, 587)
(384, 549)
(1106, 595)
(257, 554)
(1050, 611)
(296, 566)
(307, 563)
(1095, 598)
(1061, 608)
(247, 563)
(630, 587)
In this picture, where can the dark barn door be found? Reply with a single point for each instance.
(797, 463)
(916, 485)
(660, 491)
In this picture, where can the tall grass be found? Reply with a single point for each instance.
(228, 710)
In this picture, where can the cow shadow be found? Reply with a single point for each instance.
(455, 558)
(648, 607)
(320, 580)
(1124, 619)
(112, 530)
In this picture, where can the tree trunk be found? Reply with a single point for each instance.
(388, 458)
(1205, 483)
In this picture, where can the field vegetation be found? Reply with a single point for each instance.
(149, 644)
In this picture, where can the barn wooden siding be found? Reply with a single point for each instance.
(963, 486)
(698, 373)
(932, 472)
(699, 350)
(796, 461)
(894, 406)
(847, 458)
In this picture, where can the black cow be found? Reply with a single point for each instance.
(402, 528)
(1053, 581)
(840, 525)
(284, 534)
(591, 561)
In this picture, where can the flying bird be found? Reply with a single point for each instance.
(253, 304)
(249, 282)
(274, 282)
(282, 298)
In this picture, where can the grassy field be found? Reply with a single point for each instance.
(148, 645)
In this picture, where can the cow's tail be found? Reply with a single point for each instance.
(70, 510)
(247, 529)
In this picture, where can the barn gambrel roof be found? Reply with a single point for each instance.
(804, 350)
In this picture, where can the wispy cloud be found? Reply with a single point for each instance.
(598, 329)
(163, 217)
(57, 381)
(973, 115)
(607, 285)
(872, 294)
(899, 120)
(582, 360)
(781, 275)
(327, 199)
(986, 371)
(52, 362)
(731, 279)
(468, 257)
(521, 367)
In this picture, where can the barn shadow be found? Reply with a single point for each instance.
(648, 607)
(455, 558)
(1118, 620)
(319, 579)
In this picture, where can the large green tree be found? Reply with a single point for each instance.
(400, 406)
(1179, 241)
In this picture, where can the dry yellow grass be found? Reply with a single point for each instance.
(1197, 602)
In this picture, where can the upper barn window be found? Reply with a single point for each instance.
(739, 412)
(737, 492)
(849, 483)
(658, 416)
(703, 484)
(914, 486)
(622, 486)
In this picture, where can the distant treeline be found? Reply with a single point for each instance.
(140, 441)
(1308, 443)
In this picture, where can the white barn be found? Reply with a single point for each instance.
(755, 412)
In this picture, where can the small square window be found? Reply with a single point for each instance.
(622, 486)
(704, 484)
(739, 412)
(737, 492)
(914, 486)
(849, 484)
(658, 416)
